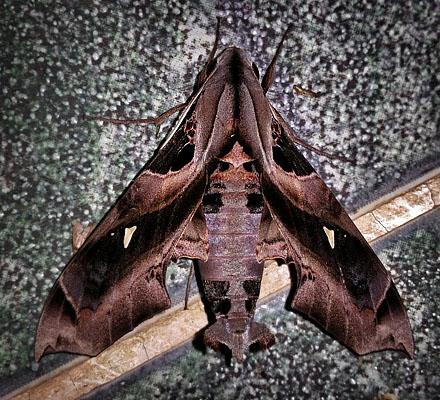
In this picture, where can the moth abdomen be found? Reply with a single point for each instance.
(232, 275)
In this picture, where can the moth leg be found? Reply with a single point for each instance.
(305, 92)
(321, 152)
(80, 233)
(269, 76)
(304, 144)
(188, 285)
(158, 121)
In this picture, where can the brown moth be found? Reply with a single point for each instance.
(229, 189)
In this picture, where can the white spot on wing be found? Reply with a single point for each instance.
(128, 235)
(330, 236)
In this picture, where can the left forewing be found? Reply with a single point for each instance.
(117, 278)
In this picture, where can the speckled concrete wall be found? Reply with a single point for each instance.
(376, 68)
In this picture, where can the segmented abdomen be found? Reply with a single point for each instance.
(232, 205)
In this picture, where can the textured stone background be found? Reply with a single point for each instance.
(376, 67)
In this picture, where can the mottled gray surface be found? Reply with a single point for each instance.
(376, 67)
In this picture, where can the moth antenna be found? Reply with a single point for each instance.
(217, 36)
(269, 76)
(204, 74)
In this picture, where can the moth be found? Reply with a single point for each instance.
(228, 189)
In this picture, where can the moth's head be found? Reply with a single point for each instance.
(232, 59)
